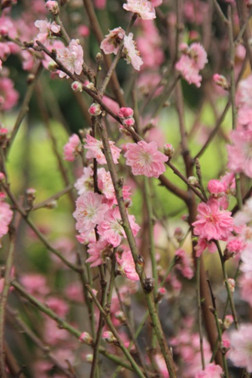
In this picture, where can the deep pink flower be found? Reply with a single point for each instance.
(212, 222)
(241, 347)
(126, 264)
(90, 211)
(216, 187)
(71, 148)
(145, 159)
(143, 8)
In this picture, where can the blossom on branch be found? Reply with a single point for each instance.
(145, 159)
(143, 8)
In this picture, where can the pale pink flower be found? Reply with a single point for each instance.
(7, 27)
(89, 211)
(245, 214)
(204, 244)
(72, 148)
(241, 347)
(94, 150)
(212, 222)
(160, 362)
(183, 263)
(111, 230)
(210, 371)
(197, 52)
(112, 41)
(145, 159)
(8, 95)
(105, 184)
(126, 264)
(4, 51)
(132, 54)
(86, 182)
(98, 251)
(243, 94)
(46, 29)
(246, 266)
(5, 218)
(143, 8)
(71, 57)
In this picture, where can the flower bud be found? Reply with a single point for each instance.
(86, 338)
(109, 337)
(94, 109)
(168, 150)
(221, 81)
(76, 86)
(193, 180)
(53, 7)
(231, 284)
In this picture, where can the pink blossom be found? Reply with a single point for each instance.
(86, 182)
(160, 362)
(145, 159)
(132, 54)
(71, 148)
(241, 347)
(221, 81)
(89, 211)
(183, 263)
(57, 305)
(94, 150)
(126, 264)
(98, 251)
(74, 291)
(235, 245)
(246, 259)
(245, 284)
(210, 371)
(71, 57)
(5, 218)
(52, 6)
(46, 29)
(111, 230)
(204, 244)
(105, 184)
(149, 44)
(83, 30)
(245, 214)
(212, 222)
(35, 284)
(100, 4)
(52, 334)
(112, 41)
(125, 112)
(240, 152)
(216, 187)
(243, 94)
(8, 95)
(143, 8)
(7, 27)
(191, 62)
(95, 109)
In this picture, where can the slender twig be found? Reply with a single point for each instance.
(25, 104)
(62, 323)
(131, 240)
(37, 341)
(4, 297)
(54, 197)
(109, 322)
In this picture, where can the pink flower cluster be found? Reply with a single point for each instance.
(193, 59)
(72, 148)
